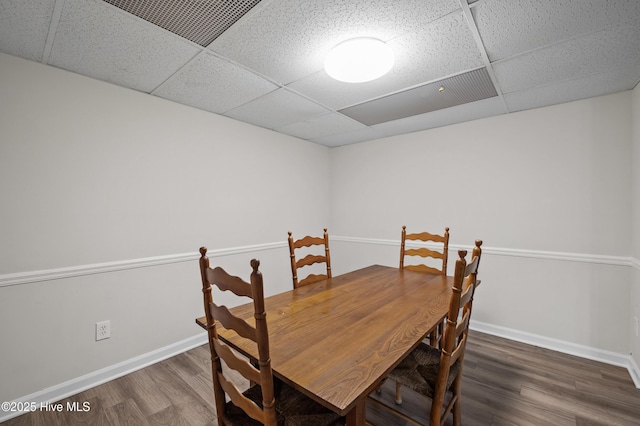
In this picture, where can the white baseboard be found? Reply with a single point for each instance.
(90, 380)
(570, 348)
(634, 371)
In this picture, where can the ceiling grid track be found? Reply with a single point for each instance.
(261, 61)
(53, 27)
(466, 10)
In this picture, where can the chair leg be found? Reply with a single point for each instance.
(398, 393)
(457, 407)
(435, 338)
(457, 413)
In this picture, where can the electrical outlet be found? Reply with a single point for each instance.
(103, 330)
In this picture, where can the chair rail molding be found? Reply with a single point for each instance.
(20, 278)
(101, 268)
(500, 251)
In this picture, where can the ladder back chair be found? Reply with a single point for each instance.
(424, 252)
(437, 373)
(309, 259)
(266, 402)
(440, 257)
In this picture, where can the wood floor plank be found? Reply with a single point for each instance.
(126, 413)
(170, 416)
(109, 393)
(507, 405)
(610, 397)
(141, 388)
(505, 383)
(562, 402)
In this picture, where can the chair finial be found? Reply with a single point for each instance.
(462, 254)
(290, 233)
(203, 251)
(254, 264)
(478, 243)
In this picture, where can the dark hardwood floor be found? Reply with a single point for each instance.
(505, 383)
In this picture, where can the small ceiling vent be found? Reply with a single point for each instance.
(461, 89)
(200, 21)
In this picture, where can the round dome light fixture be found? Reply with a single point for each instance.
(358, 60)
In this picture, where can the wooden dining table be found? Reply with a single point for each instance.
(336, 340)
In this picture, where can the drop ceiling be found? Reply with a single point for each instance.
(261, 62)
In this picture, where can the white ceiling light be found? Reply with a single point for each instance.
(359, 60)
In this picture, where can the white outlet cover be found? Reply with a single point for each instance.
(103, 330)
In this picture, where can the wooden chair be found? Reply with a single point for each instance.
(437, 373)
(441, 256)
(267, 402)
(309, 259)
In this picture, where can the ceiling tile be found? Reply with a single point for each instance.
(599, 52)
(572, 90)
(213, 84)
(337, 94)
(267, 68)
(510, 27)
(101, 41)
(287, 40)
(441, 48)
(324, 125)
(364, 134)
(277, 109)
(24, 26)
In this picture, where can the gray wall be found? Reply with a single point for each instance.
(108, 193)
(549, 192)
(114, 191)
(635, 253)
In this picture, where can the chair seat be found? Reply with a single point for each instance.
(419, 370)
(292, 409)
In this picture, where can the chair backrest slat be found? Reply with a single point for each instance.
(228, 282)
(424, 252)
(239, 364)
(457, 352)
(309, 260)
(241, 401)
(422, 268)
(426, 236)
(310, 279)
(309, 241)
(466, 295)
(231, 322)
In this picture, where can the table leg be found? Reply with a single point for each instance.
(358, 414)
